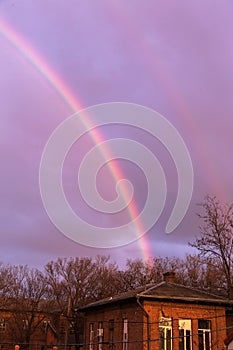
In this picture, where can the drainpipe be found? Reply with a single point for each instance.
(148, 322)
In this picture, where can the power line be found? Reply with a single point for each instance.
(150, 340)
(191, 335)
(154, 322)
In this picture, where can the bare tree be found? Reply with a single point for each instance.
(25, 294)
(139, 273)
(200, 272)
(216, 237)
(193, 271)
(75, 282)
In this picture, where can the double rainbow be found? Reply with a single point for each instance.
(32, 56)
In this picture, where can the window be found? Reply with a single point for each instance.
(111, 331)
(2, 325)
(165, 333)
(125, 334)
(100, 335)
(25, 324)
(204, 334)
(185, 334)
(91, 338)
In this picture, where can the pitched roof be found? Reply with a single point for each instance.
(176, 291)
(163, 291)
(118, 297)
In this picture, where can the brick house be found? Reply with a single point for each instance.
(15, 326)
(165, 316)
(36, 327)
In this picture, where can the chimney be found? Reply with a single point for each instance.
(169, 277)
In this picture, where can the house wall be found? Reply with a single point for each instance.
(138, 327)
(118, 312)
(194, 312)
(14, 332)
(229, 320)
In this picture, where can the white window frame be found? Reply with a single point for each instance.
(204, 332)
(100, 335)
(165, 327)
(125, 333)
(185, 325)
(91, 339)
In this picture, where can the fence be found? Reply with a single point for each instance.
(36, 346)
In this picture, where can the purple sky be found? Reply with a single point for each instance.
(175, 57)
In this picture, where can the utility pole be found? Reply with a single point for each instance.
(67, 322)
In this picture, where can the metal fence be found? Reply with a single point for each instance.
(36, 346)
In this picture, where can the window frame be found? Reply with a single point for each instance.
(111, 331)
(125, 333)
(205, 334)
(91, 336)
(100, 337)
(185, 325)
(2, 325)
(165, 327)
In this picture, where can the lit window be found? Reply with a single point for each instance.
(100, 335)
(91, 340)
(185, 335)
(165, 333)
(25, 324)
(204, 334)
(2, 325)
(125, 334)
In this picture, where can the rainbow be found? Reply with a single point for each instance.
(25, 49)
(159, 71)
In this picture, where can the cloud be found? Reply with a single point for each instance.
(175, 57)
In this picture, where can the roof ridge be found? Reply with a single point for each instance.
(199, 290)
(147, 291)
(153, 287)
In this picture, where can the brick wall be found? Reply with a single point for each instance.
(14, 332)
(118, 312)
(138, 326)
(177, 311)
